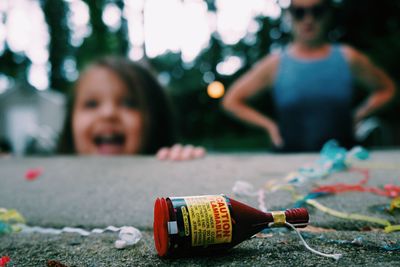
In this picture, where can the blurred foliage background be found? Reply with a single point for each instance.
(369, 25)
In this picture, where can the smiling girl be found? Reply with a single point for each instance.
(117, 107)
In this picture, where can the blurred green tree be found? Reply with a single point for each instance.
(371, 26)
(59, 48)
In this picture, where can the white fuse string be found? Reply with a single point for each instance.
(335, 256)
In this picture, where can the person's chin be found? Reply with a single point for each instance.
(110, 150)
(310, 38)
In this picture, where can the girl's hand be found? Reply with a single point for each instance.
(178, 152)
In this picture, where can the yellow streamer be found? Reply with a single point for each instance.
(348, 216)
(392, 228)
(11, 216)
(276, 185)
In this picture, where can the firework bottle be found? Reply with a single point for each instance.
(212, 223)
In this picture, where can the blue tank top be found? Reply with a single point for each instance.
(313, 100)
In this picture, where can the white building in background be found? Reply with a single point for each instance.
(31, 120)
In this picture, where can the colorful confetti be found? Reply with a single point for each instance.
(4, 260)
(33, 174)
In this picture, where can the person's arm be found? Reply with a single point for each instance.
(260, 76)
(371, 77)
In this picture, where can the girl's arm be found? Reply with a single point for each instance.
(371, 77)
(260, 76)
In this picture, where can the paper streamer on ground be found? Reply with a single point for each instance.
(128, 235)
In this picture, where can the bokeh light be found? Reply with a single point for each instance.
(216, 90)
(170, 25)
(230, 65)
(2, 37)
(133, 13)
(70, 69)
(78, 21)
(186, 26)
(176, 26)
(112, 16)
(234, 18)
(37, 76)
(26, 33)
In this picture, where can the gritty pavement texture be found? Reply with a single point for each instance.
(92, 192)
(282, 249)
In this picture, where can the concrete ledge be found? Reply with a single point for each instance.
(99, 191)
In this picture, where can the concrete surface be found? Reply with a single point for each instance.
(278, 250)
(91, 192)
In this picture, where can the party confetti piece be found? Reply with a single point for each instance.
(11, 216)
(33, 174)
(395, 204)
(4, 260)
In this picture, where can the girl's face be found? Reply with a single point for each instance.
(105, 118)
(310, 18)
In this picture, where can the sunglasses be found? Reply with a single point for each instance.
(317, 12)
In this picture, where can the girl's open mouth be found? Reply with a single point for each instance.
(110, 143)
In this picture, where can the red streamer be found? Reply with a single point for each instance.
(389, 190)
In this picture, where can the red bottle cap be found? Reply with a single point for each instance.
(161, 218)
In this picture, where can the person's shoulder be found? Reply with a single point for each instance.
(270, 60)
(352, 54)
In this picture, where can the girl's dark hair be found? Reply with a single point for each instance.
(159, 130)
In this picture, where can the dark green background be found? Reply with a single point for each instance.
(369, 25)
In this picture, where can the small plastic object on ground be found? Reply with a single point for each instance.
(128, 236)
(4, 260)
(333, 158)
(33, 174)
(358, 152)
(54, 263)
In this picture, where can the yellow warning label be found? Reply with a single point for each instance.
(185, 220)
(210, 220)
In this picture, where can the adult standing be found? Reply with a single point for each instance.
(312, 82)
